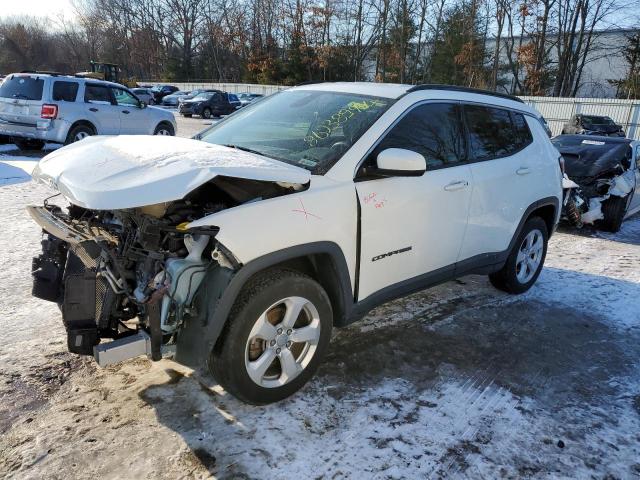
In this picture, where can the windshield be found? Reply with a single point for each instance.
(22, 87)
(309, 129)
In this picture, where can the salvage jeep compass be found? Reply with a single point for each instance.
(239, 251)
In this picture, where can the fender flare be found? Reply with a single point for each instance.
(221, 287)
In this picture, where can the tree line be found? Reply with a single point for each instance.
(530, 47)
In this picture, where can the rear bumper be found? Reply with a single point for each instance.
(47, 130)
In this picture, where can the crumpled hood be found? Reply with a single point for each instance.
(111, 173)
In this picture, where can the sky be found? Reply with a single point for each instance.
(35, 7)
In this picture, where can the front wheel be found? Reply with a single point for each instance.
(525, 260)
(206, 113)
(613, 210)
(275, 337)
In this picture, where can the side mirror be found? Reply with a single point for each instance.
(400, 162)
(142, 104)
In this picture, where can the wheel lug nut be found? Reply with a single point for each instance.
(279, 331)
(272, 342)
(278, 350)
(289, 332)
(289, 344)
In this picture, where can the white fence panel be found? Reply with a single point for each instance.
(557, 110)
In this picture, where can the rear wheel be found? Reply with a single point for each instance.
(186, 115)
(164, 129)
(525, 261)
(613, 209)
(28, 144)
(79, 132)
(275, 338)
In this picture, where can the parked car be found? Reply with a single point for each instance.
(195, 92)
(240, 252)
(39, 108)
(161, 91)
(144, 94)
(209, 104)
(603, 179)
(247, 98)
(592, 125)
(173, 99)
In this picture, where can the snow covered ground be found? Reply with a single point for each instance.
(459, 381)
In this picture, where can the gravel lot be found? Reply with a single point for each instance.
(458, 381)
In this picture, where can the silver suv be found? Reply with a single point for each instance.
(36, 108)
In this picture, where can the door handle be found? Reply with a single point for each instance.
(523, 170)
(457, 185)
(92, 109)
(125, 111)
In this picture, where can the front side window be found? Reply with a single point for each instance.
(307, 128)
(433, 130)
(490, 130)
(97, 94)
(64, 91)
(124, 98)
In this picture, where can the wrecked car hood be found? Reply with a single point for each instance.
(587, 161)
(110, 173)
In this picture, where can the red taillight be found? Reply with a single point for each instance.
(49, 111)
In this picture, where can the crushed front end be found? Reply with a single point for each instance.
(126, 275)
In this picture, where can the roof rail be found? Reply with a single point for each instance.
(456, 88)
(44, 72)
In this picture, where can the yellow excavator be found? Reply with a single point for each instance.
(110, 72)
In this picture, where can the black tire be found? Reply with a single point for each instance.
(164, 129)
(186, 115)
(28, 144)
(259, 295)
(79, 132)
(206, 113)
(613, 209)
(506, 279)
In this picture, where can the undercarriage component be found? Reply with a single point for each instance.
(48, 268)
(122, 349)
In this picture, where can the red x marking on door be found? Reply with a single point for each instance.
(304, 210)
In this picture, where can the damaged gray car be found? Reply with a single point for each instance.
(602, 180)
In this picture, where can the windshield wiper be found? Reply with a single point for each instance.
(21, 95)
(244, 149)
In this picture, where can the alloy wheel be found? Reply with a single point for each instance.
(282, 342)
(529, 256)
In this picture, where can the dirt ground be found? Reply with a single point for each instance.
(460, 381)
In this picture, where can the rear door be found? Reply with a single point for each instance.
(101, 109)
(21, 99)
(133, 119)
(505, 177)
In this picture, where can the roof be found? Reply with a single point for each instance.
(444, 92)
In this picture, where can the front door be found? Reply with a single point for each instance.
(412, 226)
(133, 119)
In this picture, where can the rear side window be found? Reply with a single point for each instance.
(22, 87)
(64, 91)
(433, 130)
(233, 98)
(97, 93)
(522, 134)
(490, 132)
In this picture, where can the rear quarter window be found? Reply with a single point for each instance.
(522, 134)
(64, 91)
(22, 87)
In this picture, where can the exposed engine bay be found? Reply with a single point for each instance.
(597, 173)
(115, 273)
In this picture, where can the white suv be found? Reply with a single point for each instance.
(296, 214)
(36, 108)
